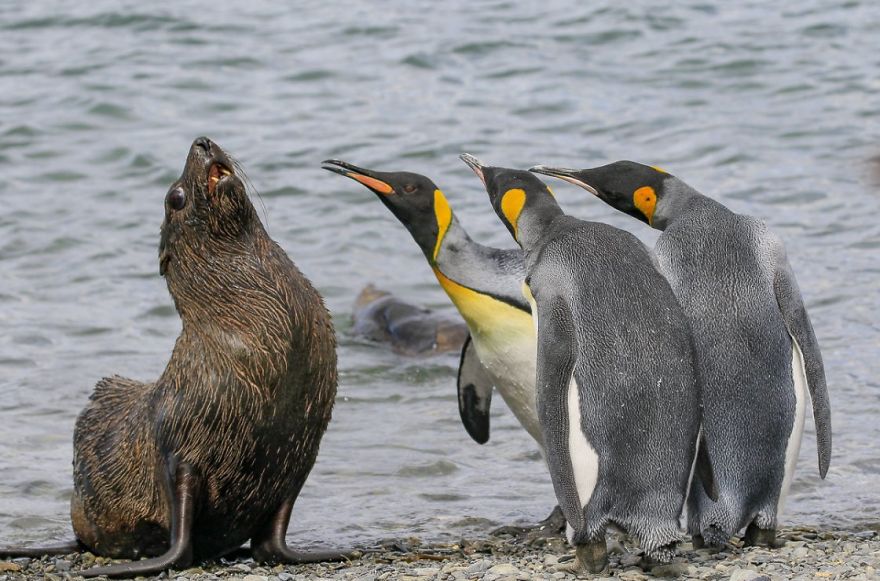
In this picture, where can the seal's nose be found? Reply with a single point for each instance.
(204, 144)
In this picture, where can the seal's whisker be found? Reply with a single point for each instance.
(249, 186)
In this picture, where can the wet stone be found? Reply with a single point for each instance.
(746, 575)
(61, 565)
(670, 570)
(479, 567)
(504, 569)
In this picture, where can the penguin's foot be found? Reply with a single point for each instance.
(663, 554)
(552, 526)
(713, 536)
(758, 537)
(591, 557)
(700, 543)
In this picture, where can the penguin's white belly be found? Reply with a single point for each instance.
(510, 361)
(799, 377)
(504, 338)
(584, 459)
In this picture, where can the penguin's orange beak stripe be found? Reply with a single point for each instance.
(372, 183)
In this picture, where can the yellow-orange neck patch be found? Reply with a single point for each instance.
(443, 214)
(372, 183)
(512, 204)
(645, 200)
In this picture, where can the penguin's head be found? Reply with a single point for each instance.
(632, 188)
(413, 198)
(513, 193)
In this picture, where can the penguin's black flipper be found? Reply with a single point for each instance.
(555, 369)
(474, 393)
(704, 469)
(794, 313)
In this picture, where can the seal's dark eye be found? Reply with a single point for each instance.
(176, 199)
(409, 188)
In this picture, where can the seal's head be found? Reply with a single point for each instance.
(206, 209)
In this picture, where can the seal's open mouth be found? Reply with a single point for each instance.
(217, 172)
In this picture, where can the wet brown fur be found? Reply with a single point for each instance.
(244, 399)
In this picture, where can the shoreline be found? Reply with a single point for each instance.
(808, 554)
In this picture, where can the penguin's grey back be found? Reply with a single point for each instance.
(639, 397)
(721, 267)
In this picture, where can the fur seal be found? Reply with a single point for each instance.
(411, 330)
(215, 451)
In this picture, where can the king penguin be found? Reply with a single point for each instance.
(758, 354)
(617, 388)
(484, 285)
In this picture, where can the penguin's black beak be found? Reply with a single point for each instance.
(475, 164)
(367, 177)
(570, 175)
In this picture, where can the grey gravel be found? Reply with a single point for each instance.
(808, 555)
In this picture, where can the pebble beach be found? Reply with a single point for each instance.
(808, 555)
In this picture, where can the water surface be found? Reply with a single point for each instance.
(770, 110)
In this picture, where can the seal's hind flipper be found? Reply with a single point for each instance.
(180, 553)
(474, 393)
(270, 544)
(60, 549)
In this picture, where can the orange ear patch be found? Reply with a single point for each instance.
(511, 206)
(372, 183)
(645, 200)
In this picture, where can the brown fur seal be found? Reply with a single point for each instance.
(214, 452)
(411, 330)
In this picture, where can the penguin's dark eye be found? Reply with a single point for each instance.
(176, 199)
(409, 188)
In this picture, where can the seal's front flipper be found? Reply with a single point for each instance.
(474, 393)
(270, 545)
(60, 549)
(180, 553)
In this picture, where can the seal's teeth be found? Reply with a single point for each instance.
(224, 171)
